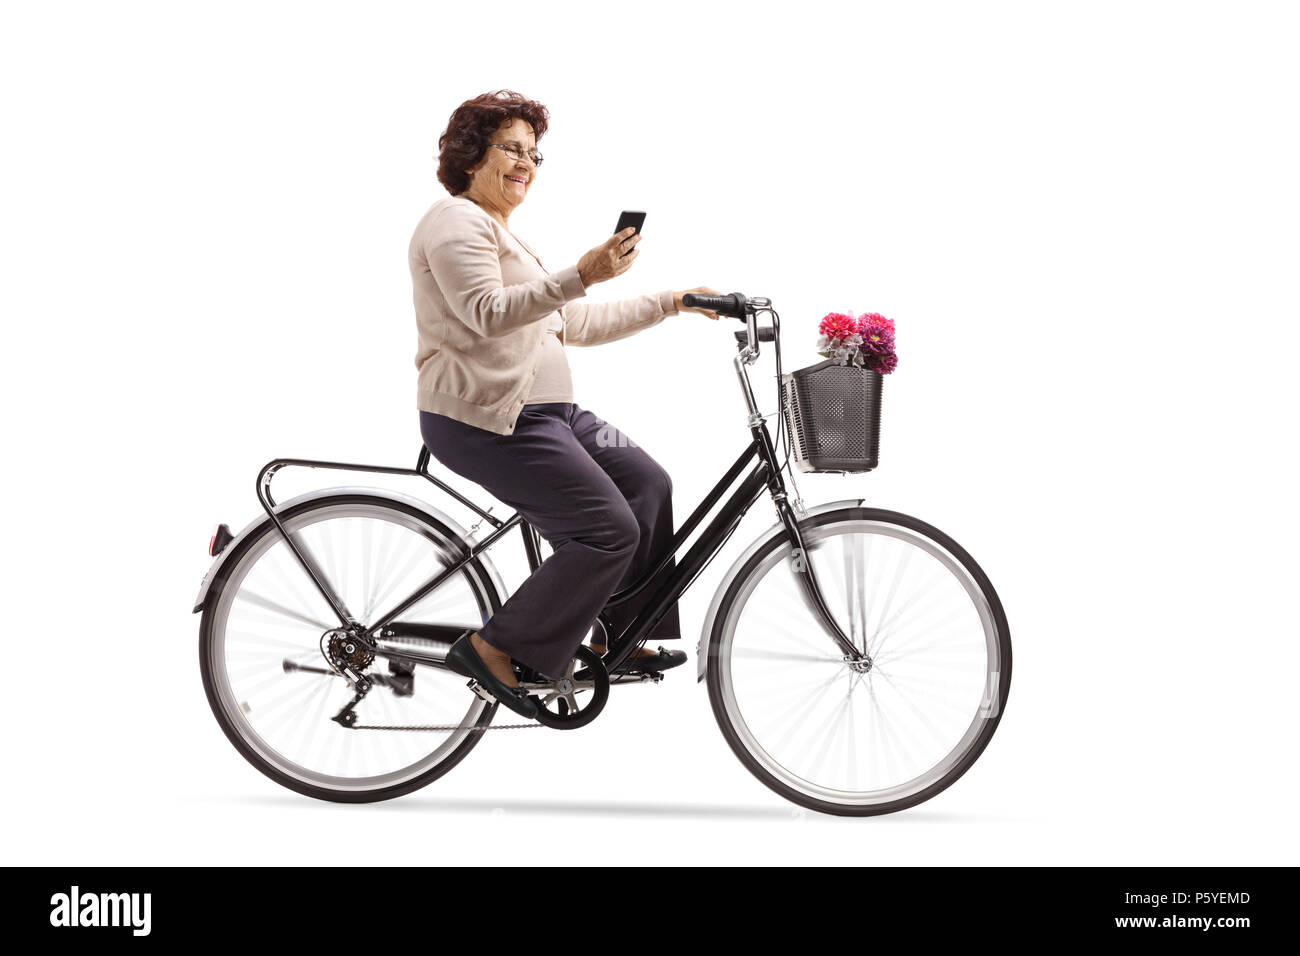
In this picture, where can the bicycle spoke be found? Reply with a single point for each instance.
(941, 643)
(266, 708)
(389, 715)
(899, 571)
(268, 604)
(851, 753)
(852, 586)
(394, 558)
(270, 643)
(895, 621)
(344, 754)
(367, 594)
(779, 692)
(792, 716)
(316, 718)
(923, 718)
(325, 561)
(400, 578)
(445, 601)
(755, 653)
(831, 726)
(248, 668)
(953, 664)
(855, 588)
(937, 692)
(885, 735)
(345, 550)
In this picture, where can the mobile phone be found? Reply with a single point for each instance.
(629, 218)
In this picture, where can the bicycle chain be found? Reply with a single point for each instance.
(445, 727)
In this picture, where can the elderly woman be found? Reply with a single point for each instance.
(497, 406)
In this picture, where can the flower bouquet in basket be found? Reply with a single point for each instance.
(833, 407)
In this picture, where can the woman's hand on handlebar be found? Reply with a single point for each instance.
(607, 260)
(703, 290)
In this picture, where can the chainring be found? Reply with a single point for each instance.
(577, 698)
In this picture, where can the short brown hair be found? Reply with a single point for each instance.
(470, 130)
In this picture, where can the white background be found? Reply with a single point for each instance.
(1081, 216)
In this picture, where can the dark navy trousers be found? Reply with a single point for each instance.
(603, 504)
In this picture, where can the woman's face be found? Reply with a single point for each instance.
(498, 179)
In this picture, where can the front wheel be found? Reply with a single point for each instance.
(872, 736)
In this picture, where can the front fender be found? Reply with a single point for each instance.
(777, 530)
(418, 503)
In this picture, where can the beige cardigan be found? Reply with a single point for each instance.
(481, 296)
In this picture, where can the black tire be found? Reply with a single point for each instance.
(480, 581)
(715, 677)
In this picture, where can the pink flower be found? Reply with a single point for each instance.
(884, 364)
(877, 341)
(874, 320)
(837, 325)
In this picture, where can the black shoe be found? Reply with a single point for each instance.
(662, 661)
(464, 660)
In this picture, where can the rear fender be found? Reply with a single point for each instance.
(264, 519)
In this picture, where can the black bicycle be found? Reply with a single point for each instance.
(857, 660)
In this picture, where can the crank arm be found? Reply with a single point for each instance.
(546, 686)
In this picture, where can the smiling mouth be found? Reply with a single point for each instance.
(518, 179)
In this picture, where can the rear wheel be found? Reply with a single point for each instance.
(269, 684)
(869, 737)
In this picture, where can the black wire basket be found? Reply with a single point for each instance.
(833, 413)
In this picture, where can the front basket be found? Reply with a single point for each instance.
(833, 413)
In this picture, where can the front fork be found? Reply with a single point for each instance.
(802, 566)
(801, 563)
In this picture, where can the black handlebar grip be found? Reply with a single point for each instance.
(766, 333)
(732, 305)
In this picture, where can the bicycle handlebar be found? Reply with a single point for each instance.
(737, 306)
(734, 305)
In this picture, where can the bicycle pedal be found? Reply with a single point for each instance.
(481, 691)
(635, 677)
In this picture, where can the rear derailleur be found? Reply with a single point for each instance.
(348, 655)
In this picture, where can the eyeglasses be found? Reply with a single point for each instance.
(517, 151)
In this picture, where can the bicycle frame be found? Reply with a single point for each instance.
(766, 472)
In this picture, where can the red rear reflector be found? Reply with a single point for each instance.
(220, 538)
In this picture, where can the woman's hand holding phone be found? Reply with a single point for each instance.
(611, 258)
